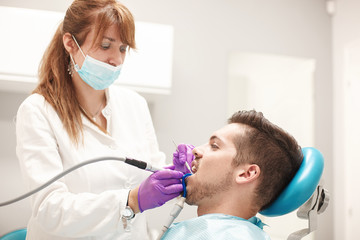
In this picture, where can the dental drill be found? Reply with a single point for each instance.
(137, 163)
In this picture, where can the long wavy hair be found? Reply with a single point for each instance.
(55, 82)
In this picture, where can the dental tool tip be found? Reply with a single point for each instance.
(188, 167)
(176, 146)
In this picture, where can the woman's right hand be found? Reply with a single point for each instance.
(159, 188)
(182, 156)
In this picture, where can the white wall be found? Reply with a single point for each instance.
(13, 216)
(346, 42)
(206, 33)
(282, 88)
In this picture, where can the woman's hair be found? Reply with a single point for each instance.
(55, 82)
(276, 152)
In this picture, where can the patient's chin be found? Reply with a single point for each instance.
(190, 200)
(193, 190)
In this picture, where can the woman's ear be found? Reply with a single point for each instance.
(69, 43)
(247, 173)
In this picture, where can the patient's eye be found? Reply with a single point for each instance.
(214, 146)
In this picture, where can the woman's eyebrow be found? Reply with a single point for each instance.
(113, 40)
(109, 38)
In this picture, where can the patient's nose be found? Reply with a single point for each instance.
(197, 152)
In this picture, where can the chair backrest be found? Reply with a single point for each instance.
(15, 235)
(301, 187)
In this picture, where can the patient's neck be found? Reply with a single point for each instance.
(242, 208)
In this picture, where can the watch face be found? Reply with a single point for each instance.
(127, 213)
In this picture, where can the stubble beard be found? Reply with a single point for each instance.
(208, 190)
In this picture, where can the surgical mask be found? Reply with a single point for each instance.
(95, 73)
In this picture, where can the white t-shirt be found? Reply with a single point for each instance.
(87, 203)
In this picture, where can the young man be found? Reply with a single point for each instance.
(240, 171)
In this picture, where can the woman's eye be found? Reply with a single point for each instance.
(123, 48)
(105, 45)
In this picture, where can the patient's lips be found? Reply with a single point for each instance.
(193, 169)
(194, 165)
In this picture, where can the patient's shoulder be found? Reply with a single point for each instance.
(216, 226)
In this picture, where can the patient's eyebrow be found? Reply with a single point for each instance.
(216, 138)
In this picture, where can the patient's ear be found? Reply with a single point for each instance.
(247, 173)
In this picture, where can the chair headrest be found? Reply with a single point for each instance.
(301, 186)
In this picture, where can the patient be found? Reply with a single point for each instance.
(240, 171)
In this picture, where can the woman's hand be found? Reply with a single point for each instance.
(159, 188)
(183, 155)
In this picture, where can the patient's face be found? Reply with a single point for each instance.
(213, 172)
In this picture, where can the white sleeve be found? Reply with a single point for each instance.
(57, 210)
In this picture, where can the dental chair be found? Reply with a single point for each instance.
(19, 234)
(305, 192)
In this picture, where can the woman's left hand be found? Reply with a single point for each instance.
(159, 188)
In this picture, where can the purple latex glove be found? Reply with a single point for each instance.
(182, 155)
(159, 188)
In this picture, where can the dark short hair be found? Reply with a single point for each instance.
(275, 151)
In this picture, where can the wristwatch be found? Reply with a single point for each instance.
(126, 215)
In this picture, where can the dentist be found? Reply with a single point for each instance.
(75, 114)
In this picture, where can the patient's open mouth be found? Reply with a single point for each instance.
(194, 166)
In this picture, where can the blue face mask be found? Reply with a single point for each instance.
(97, 74)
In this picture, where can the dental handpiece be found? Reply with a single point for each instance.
(142, 165)
(137, 163)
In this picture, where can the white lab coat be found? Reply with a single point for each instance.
(85, 204)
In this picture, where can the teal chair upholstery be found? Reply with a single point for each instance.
(15, 235)
(305, 192)
(301, 187)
